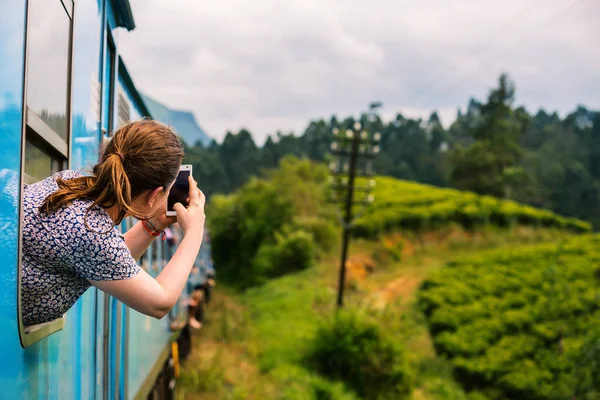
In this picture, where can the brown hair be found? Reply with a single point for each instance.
(142, 155)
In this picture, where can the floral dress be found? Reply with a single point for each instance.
(61, 254)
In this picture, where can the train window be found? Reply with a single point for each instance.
(47, 111)
(48, 46)
(40, 161)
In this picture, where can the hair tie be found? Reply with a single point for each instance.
(120, 156)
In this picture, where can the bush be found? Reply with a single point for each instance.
(243, 225)
(291, 253)
(294, 252)
(587, 371)
(353, 350)
(301, 384)
(324, 232)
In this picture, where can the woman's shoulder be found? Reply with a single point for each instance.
(67, 174)
(78, 216)
(34, 194)
(49, 184)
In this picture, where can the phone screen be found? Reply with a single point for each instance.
(179, 191)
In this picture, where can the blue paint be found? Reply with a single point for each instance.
(123, 354)
(12, 24)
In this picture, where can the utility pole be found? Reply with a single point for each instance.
(346, 222)
(347, 148)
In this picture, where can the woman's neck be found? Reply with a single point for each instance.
(113, 212)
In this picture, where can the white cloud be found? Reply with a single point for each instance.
(271, 65)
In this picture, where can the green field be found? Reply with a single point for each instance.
(487, 299)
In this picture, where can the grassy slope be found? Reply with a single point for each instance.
(414, 206)
(252, 344)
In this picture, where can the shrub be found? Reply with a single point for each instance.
(298, 383)
(292, 252)
(587, 371)
(239, 224)
(243, 225)
(324, 232)
(353, 349)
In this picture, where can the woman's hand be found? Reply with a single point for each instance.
(191, 219)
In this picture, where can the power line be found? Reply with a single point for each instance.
(477, 49)
(510, 48)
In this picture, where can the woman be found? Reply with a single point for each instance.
(69, 237)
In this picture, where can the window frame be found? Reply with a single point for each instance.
(108, 88)
(42, 132)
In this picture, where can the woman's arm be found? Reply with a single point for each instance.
(156, 297)
(138, 240)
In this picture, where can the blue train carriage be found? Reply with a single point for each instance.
(203, 267)
(63, 90)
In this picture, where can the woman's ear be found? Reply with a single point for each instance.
(153, 195)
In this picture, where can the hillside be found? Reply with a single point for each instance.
(415, 207)
(258, 335)
(184, 122)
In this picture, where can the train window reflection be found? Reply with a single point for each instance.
(48, 43)
(39, 162)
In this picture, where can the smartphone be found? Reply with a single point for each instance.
(180, 190)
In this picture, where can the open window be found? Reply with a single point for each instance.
(47, 110)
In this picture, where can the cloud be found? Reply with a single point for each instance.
(269, 65)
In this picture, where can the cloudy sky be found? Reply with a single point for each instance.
(270, 65)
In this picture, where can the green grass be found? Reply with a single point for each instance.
(268, 329)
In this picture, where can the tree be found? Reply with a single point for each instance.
(487, 166)
(240, 157)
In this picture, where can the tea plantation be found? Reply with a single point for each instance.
(415, 206)
(514, 323)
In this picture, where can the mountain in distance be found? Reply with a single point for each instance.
(184, 122)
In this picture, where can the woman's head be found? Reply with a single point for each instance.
(142, 159)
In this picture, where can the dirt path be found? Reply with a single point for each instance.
(403, 287)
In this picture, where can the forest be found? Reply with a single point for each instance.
(494, 147)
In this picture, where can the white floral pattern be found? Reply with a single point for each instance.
(60, 253)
